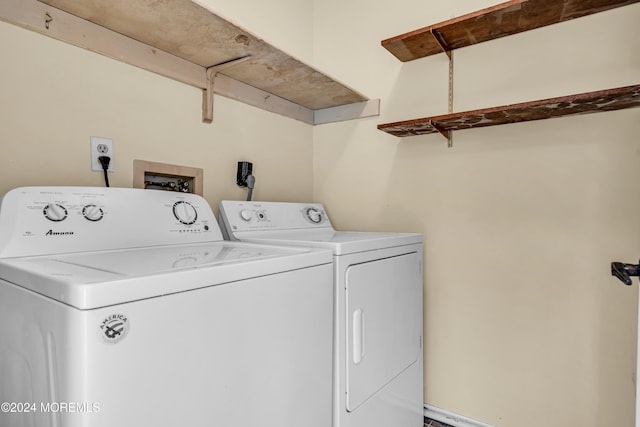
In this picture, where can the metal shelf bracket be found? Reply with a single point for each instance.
(446, 49)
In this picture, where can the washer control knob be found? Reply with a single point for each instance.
(246, 215)
(92, 212)
(314, 215)
(55, 212)
(185, 212)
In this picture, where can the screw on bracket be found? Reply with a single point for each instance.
(47, 20)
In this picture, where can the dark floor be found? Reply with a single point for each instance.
(434, 423)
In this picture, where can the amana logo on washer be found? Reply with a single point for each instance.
(114, 328)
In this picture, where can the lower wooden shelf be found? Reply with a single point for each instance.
(584, 103)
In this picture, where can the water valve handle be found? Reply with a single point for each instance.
(624, 271)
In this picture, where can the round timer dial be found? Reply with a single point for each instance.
(314, 215)
(185, 212)
(92, 212)
(55, 212)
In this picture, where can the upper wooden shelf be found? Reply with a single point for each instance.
(185, 41)
(507, 18)
(189, 31)
(584, 103)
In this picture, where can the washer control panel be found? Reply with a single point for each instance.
(50, 220)
(238, 216)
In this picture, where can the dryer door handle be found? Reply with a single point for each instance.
(358, 336)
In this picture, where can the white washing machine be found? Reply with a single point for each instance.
(378, 355)
(123, 307)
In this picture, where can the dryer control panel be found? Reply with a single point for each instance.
(53, 220)
(238, 216)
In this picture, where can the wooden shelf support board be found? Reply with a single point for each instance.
(207, 92)
(504, 19)
(584, 103)
(181, 40)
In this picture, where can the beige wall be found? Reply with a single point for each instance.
(54, 96)
(524, 325)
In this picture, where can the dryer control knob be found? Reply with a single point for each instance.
(185, 212)
(55, 212)
(246, 215)
(314, 215)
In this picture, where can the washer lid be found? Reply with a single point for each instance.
(96, 279)
(340, 242)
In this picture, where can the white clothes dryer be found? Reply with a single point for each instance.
(123, 307)
(378, 355)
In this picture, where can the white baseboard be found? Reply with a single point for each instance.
(450, 418)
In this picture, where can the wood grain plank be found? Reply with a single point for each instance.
(69, 28)
(193, 33)
(30, 14)
(584, 103)
(504, 19)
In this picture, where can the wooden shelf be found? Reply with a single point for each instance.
(504, 19)
(187, 42)
(507, 18)
(584, 103)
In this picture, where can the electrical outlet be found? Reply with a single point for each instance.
(101, 147)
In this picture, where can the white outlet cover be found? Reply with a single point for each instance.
(97, 149)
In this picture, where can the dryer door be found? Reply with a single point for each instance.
(384, 323)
